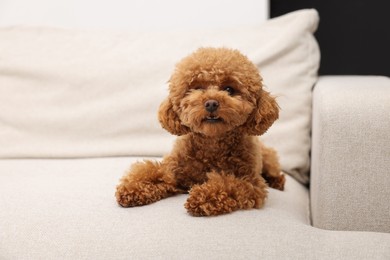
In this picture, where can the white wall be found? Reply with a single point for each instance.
(134, 14)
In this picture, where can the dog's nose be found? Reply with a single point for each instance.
(211, 105)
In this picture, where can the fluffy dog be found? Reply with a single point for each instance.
(217, 105)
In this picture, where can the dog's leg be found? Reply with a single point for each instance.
(222, 194)
(145, 183)
(271, 171)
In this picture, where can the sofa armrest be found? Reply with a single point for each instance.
(350, 170)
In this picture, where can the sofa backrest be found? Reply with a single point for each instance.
(82, 93)
(135, 14)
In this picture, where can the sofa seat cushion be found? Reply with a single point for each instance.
(65, 209)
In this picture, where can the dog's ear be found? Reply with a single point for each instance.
(170, 120)
(263, 116)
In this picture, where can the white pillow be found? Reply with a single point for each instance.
(75, 93)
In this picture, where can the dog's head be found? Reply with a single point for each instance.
(216, 90)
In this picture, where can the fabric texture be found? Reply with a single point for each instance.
(78, 93)
(350, 177)
(66, 209)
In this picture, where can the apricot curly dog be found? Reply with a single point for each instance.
(217, 105)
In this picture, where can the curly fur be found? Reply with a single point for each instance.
(217, 159)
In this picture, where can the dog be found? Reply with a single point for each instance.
(217, 106)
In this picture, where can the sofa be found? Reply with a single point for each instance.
(78, 107)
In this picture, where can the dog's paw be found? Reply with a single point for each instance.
(205, 202)
(126, 197)
(276, 182)
(139, 194)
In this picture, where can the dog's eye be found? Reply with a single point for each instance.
(229, 90)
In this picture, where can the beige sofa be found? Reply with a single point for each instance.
(78, 107)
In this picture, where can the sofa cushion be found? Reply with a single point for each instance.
(79, 93)
(66, 209)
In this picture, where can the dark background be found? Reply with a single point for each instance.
(354, 35)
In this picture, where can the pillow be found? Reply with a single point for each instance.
(69, 93)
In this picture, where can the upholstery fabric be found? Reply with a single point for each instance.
(67, 93)
(350, 176)
(65, 209)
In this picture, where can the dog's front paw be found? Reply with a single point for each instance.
(127, 197)
(138, 194)
(209, 202)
